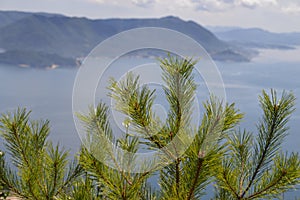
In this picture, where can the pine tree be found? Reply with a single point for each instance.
(117, 183)
(214, 151)
(192, 170)
(38, 170)
(257, 168)
(242, 168)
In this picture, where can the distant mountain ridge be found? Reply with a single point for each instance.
(259, 38)
(8, 17)
(68, 38)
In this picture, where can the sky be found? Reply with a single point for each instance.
(272, 15)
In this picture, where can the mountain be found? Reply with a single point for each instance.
(259, 38)
(69, 38)
(217, 29)
(8, 17)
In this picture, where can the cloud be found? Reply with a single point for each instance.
(284, 6)
(214, 5)
(143, 3)
(290, 6)
(221, 5)
(207, 5)
(97, 1)
(256, 3)
(291, 10)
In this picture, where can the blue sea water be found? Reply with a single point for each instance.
(48, 93)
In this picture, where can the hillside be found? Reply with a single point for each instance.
(259, 38)
(70, 37)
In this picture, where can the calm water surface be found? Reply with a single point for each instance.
(48, 93)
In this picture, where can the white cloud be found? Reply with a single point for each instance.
(291, 9)
(97, 1)
(279, 6)
(208, 5)
(143, 3)
(273, 15)
(255, 3)
(290, 6)
(214, 5)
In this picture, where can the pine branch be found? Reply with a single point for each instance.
(120, 183)
(193, 187)
(225, 173)
(272, 129)
(177, 174)
(257, 194)
(19, 133)
(41, 167)
(263, 157)
(9, 179)
(283, 175)
(179, 89)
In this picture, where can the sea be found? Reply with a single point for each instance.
(48, 93)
